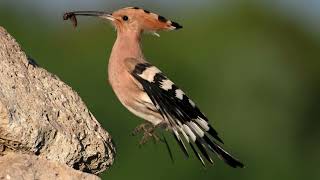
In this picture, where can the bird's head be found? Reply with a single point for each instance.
(130, 19)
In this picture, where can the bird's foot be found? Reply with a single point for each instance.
(149, 132)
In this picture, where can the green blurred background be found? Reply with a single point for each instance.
(252, 66)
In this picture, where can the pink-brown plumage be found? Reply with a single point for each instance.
(146, 92)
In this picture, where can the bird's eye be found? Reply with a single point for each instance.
(125, 18)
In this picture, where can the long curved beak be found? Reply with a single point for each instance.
(72, 15)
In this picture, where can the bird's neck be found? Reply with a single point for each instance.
(127, 45)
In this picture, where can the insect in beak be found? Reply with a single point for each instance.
(72, 15)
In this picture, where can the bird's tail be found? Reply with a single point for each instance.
(221, 153)
(202, 145)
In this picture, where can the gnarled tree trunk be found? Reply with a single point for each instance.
(42, 116)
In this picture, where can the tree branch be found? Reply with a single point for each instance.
(25, 166)
(41, 115)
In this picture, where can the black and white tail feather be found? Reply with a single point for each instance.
(184, 117)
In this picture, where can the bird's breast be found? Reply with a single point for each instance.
(122, 83)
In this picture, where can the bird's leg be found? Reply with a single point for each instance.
(141, 128)
(149, 132)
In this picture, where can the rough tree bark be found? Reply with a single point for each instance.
(42, 116)
(15, 166)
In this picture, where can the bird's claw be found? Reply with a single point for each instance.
(148, 130)
(147, 136)
(141, 128)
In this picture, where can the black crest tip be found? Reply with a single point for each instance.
(162, 19)
(146, 11)
(176, 25)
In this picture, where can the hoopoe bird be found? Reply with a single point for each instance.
(147, 92)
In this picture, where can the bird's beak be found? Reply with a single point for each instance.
(73, 14)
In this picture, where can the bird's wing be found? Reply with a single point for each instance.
(184, 116)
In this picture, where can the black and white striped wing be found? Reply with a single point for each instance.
(184, 116)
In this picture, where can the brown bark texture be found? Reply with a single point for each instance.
(41, 115)
(16, 166)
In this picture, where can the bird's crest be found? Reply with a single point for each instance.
(157, 21)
